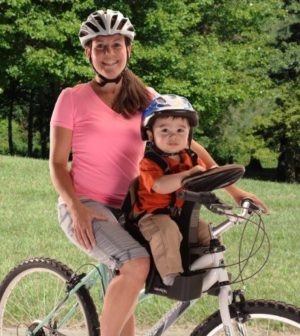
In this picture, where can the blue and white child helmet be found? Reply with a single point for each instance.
(168, 105)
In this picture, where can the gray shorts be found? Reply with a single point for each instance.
(114, 245)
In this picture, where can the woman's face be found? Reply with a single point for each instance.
(108, 54)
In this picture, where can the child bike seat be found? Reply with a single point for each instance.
(188, 285)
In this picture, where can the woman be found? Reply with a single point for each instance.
(100, 122)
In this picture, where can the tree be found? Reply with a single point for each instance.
(235, 60)
(38, 41)
(284, 121)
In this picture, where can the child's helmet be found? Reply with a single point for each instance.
(168, 105)
(105, 22)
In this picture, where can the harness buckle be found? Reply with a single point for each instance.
(175, 212)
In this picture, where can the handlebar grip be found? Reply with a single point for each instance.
(248, 204)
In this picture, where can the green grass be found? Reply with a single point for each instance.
(29, 227)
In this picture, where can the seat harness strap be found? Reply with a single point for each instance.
(159, 159)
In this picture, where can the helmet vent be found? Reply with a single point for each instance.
(94, 28)
(122, 23)
(113, 21)
(83, 33)
(100, 21)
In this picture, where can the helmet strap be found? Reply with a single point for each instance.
(105, 80)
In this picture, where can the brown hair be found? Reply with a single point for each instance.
(133, 98)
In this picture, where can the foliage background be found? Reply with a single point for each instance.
(237, 61)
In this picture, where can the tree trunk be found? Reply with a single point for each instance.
(44, 105)
(30, 127)
(9, 124)
(288, 168)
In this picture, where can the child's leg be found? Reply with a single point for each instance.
(164, 238)
(203, 233)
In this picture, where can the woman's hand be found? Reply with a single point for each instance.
(239, 195)
(82, 223)
(258, 202)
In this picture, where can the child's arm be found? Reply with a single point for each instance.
(167, 184)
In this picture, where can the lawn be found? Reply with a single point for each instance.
(29, 227)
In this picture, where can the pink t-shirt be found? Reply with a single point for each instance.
(106, 147)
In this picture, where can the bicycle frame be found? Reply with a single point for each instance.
(216, 273)
(212, 262)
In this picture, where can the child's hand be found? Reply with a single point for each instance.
(196, 169)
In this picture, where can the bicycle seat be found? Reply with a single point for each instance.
(215, 178)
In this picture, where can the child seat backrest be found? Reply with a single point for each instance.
(131, 221)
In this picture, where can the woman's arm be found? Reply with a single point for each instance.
(239, 195)
(236, 193)
(60, 147)
(203, 155)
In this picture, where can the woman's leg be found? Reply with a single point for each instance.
(117, 249)
(121, 297)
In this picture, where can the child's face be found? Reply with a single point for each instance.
(170, 134)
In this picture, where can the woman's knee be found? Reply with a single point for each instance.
(136, 269)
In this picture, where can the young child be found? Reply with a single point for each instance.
(167, 124)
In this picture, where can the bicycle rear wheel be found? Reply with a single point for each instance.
(261, 318)
(31, 291)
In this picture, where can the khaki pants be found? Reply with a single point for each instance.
(164, 238)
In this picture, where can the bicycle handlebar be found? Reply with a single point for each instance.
(248, 208)
(211, 201)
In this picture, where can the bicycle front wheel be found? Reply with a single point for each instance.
(255, 318)
(32, 290)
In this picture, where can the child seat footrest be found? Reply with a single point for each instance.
(185, 287)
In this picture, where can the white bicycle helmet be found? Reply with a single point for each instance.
(105, 22)
(168, 105)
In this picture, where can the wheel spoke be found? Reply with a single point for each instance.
(31, 292)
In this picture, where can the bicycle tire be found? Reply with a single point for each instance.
(263, 318)
(32, 289)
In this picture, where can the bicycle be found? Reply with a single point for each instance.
(42, 296)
